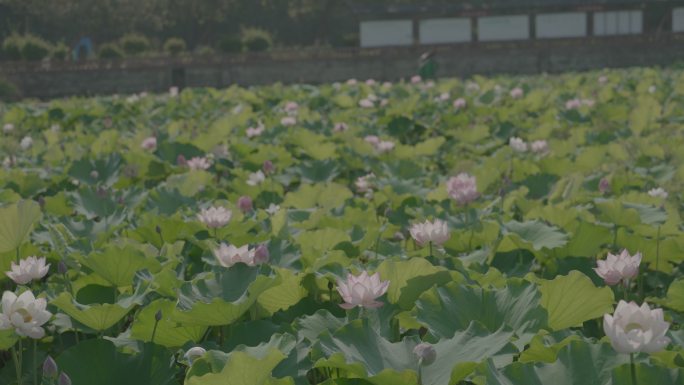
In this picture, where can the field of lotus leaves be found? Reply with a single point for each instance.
(479, 231)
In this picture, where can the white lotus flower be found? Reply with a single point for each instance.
(518, 144)
(29, 269)
(517, 93)
(573, 104)
(254, 131)
(194, 353)
(372, 139)
(228, 255)
(8, 127)
(384, 146)
(291, 108)
(416, 79)
(459, 103)
(539, 147)
(149, 143)
(198, 163)
(288, 121)
(215, 217)
(462, 188)
(444, 96)
(370, 82)
(352, 82)
(362, 290)
(436, 232)
(256, 178)
(603, 79)
(652, 89)
(25, 313)
(658, 193)
(616, 268)
(272, 209)
(26, 143)
(366, 103)
(364, 183)
(633, 328)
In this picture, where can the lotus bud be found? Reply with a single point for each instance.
(245, 204)
(158, 316)
(64, 379)
(261, 254)
(50, 368)
(426, 353)
(62, 268)
(268, 167)
(194, 353)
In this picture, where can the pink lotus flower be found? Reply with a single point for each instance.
(229, 255)
(261, 254)
(364, 184)
(372, 139)
(387, 85)
(459, 103)
(149, 143)
(366, 103)
(198, 163)
(254, 131)
(29, 269)
(370, 82)
(540, 147)
(340, 127)
(268, 167)
(384, 146)
(444, 96)
(416, 79)
(352, 82)
(291, 107)
(244, 203)
(462, 188)
(362, 290)
(616, 268)
(517, 93)
(288, 121)
(573, 104)
(436, 232)
(604, 185)
(517, 144)
(215, 217)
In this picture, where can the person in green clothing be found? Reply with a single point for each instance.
(427, 66)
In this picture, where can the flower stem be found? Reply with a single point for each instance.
(16, 357)
(632, 368)
(35, 362)
(657, 248)
(430, 246)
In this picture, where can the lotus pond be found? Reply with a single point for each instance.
(502, 230)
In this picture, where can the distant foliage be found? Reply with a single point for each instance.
(7, 90)
(110, 51)
(230, 44)
(61, 51)
(135, 44)
(11, 47)
(35, 48)
(256, 39)
(174, 46)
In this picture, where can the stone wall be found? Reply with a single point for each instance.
(50, 79)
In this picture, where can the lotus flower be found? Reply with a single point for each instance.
(472, 87)
(658, 193)
(426, 353)
(459, 103)
(603, 79)
(291, 108)
(573, 104)
(416, 79)
(229, 255)
(384, 146)
(64, 379)
(366, 103)
(25, 313)
(462, 188)
(517, 93)
(540, 147)
(444, 96)
(245, 204)
(194, 353)
(261, 254)
(198, 163)
(436, 232)
(633, 328)
(268, 167)
(340, 127)
(26, 143)
(288, 121)
(616, 268)
(604, 185)
(352, 82)
(173, 91)
(256, 178)
(364, 183)
(651, 89)
(254, 131)
(149, 143)
(372, 139)
(8, 127)
(518, 144)
(272, 209)
(29, 269)
(370, 82)
(362, 290)
(50, 368)
(215, 217)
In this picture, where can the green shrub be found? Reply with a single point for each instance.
(11, 47)
(134, 44)
(204, 50)
(256, 40)
(230, 44)
(174, 46)
(7, 91)
(35, 48)
(110, 51)
(61, 51)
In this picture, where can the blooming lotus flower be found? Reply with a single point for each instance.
(658, 193)
(364, 183)
(291, 108)
(194, 353)
(256, 178)
(462, 188)
(472, 87)
(518, 144)
(540, 147)
(370, 82)
(26, 143)
(436, 232)
(366, 103)
(426, 353)
(352, 82)
(254, 131)
(384, 146)
(245, 204)
(25, 313)
(288, 121)
(416, 79)
(616, 268)
(272, 209)
(387, 85)
(517, 93)
(8, 127)
(198, 163)
(444, 96)
(573, 104)
(459, 103)
(173, 91)
(603, 79)
(372, 139)
(633, 328)
(29, 269)
(362, 290)
(229, 255)
(340, 127)
(149, 143)
(215, 217)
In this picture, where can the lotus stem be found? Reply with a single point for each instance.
(430, 246)
(16, 357)
(657, 248)
(35, 362)
(632, 368)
